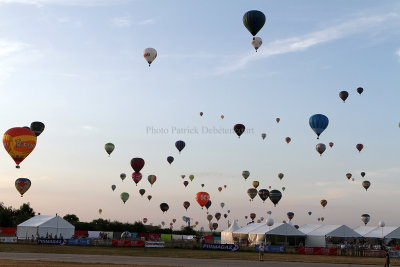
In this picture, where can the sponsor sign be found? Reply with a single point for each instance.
(394, 253)
(374, 253)
(128, 243)
(51, 241)
(151, 244)
(8, 239)
(273, 249)
(82, 242)
(318, 251)
(226, 247)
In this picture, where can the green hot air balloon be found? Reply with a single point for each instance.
(109, 147)
(254, 20)
(275, 196)
(152, 179)
(191, 177)
(124, 197)
(209, 217)
(366, 185)
(245, 174)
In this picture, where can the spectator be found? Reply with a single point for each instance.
(261, 252)
(397, 247)
(387, 259)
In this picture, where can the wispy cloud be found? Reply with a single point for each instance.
(41, 3)
(398, 52)
(306, 41)
(122, 21)
(9, 47)
(69, 20)
(147, 22)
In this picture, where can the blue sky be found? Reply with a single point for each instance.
(78, 67)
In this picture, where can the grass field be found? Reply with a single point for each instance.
(184, 253)
(18, 263)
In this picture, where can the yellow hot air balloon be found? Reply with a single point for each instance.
(19, 143)
(256, 184)
(191, 177)
(100, 211)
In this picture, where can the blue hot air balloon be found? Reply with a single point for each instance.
(319, 123)
(180, 145)
(309, 213)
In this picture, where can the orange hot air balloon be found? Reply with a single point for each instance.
(19, 143)
(323, 203)
(222, 116)
(202, 198)
(348, 175)
(255, 184)
(219, 189)
(288, 139)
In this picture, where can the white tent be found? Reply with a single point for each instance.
(241, 234)
(258, 235)
(226, 236)
(386, 232)
(308, 228)
(41, 225)
(363, 230)
(317, 238)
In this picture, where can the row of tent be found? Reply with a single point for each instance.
(314, 235)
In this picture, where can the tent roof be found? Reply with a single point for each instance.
(285, 229)
(307, 228)
(334, 231)
(248, 228)
(363, 230)
(234, 226)
(378, 232)
(47, 221)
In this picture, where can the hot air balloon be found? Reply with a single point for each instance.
(362, 174)
(252, 216)
(359, 147)
(255, 184)
(208, 204)
(202, 198)
(288, 139)
(318, 123)
(222, 117)
(219, 189)
(201, 113)
(202, 185)
(215, 226)
(113, 187)
(348, 175)
(186, 204)
(270, 222)
(256, 42)
(37, 127)
(149, 55)
(136, 176)
(366, 185)
(225, 215)
(185, 183)
(319, 219)
(224, 185)
(144, 220)
(245, 174)
(180, 145)
(320, 148)
(331, 144)
(280, 175)
(269, 212)
(365, 218)
(191, 177)
(360, 90)
(22, 185)
(109, 147)
(152, 179)
(209, 217)
(170, 159)
(283, 188)
(263, 135)
(252, 192)
(19, 143)
(309, 213)
(352, 179)
(254, 20)
(322, 219)
(183, 176)
(381, 224)
(137, 164)
(278, 120)
(222, 204)
(122, 176)
(164, 207)
(290, 215)
(263, 194)
(100, 211)
(174, 220)
(124, 197)
(239, 129)
(142, 191)
(229, 211)
(323, 203)
(343, 95)
(162, 223)
(149, 197)
(275, 196)
(217, 216)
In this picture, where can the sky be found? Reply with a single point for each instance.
(77, 66)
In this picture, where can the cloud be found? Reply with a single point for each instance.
(398, 52)
(9, 47)
(68, 20)
(147, 22)
(306, 41)
(121, 22)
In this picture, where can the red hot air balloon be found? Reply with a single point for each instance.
(186, 204)
(19, 143)
(144, 220)
(239, 129)
(219, 189)
(343, 95)
(201, 113)
(137, 164)
(331, 144)
(359, 147)
(136, 176)
(202, 198)
(224, 186)
(185, 183)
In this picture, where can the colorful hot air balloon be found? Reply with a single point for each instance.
(124, 197)
(360, 90)
(202, 198)
(217, 216)
(209, 217)
(109, 147)
(191, 177)
(150, 55)
(323, 203)
(170, 159)
(137, 164)
(215, 226)
(201, 113)
(254, 20)
(239, 129)
(222, 204)
(255, 184)
(263, 194)
(348, 175)
(152, 179)
(100, 211)
(278, 120)
(275, 196)
(318, 123)
(136, 176)
(180, 145)
(256, 42)
(144, 220)
(362, 174)
(343, 95)
(366, 185)
(290, 215)
(142, 191)
(185, 183)
(252, 216)
(288, 139)
(22, 185)
(113, 187)
(359, 147)
(19, 143)
(280, 175)
(222, 117)
(219, 189)
(186, 204)
(365, 218)
(164, 207)
(208, 204)
(149, 197)
(245, 174)
(37, 127)
(122, 176)
(252, 192)
(263, 135)
(331, 144)
(320, 148)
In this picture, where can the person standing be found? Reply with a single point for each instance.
(261, 252)
(387, 259)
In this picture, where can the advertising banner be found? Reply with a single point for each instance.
(81, 242)
(225, 247)
(374, 253)
(152, 244)
(128, 243)
(8, 239)
(8, 231)
(45, 241)
(318, 251)
(272, 249)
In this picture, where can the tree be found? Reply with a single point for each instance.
(71, 218)
(24, 213)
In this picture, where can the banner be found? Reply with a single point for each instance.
(8, 231)
(394, 253)
(374, 253)
(318, 251)
(51, 241)
(8, 239)
(226, 247)
(151, 244)
(81, 242)
(166, 237)
(272, 249)
(128, 243)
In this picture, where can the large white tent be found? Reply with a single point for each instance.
(41, 225)
(317, 238)
(308, 228)
(226, 236)
(242, 234)
(258, 235)
(392, 232)
(363, 230)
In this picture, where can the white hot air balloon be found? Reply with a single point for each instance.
(320, 148)
(270, 221)
(149, 55)
(256, 42)
(381, 224)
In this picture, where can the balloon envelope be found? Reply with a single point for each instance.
(19, 143)
(343, 95)
(245, 174)
(170, 159)
(164, 207)
(275, 196)
(22, 185)
(124, 197)
(320, 148)
(365, 218)
(37, 127)
(113, 187)
(109, 147)
(254, 20)
(318, 123)
(137, 164)
(239, 129)
(256, 42)
(263, 194)
(180, 145)
(150, 55)
(252, 192)
(202, 198)
(323, 203)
